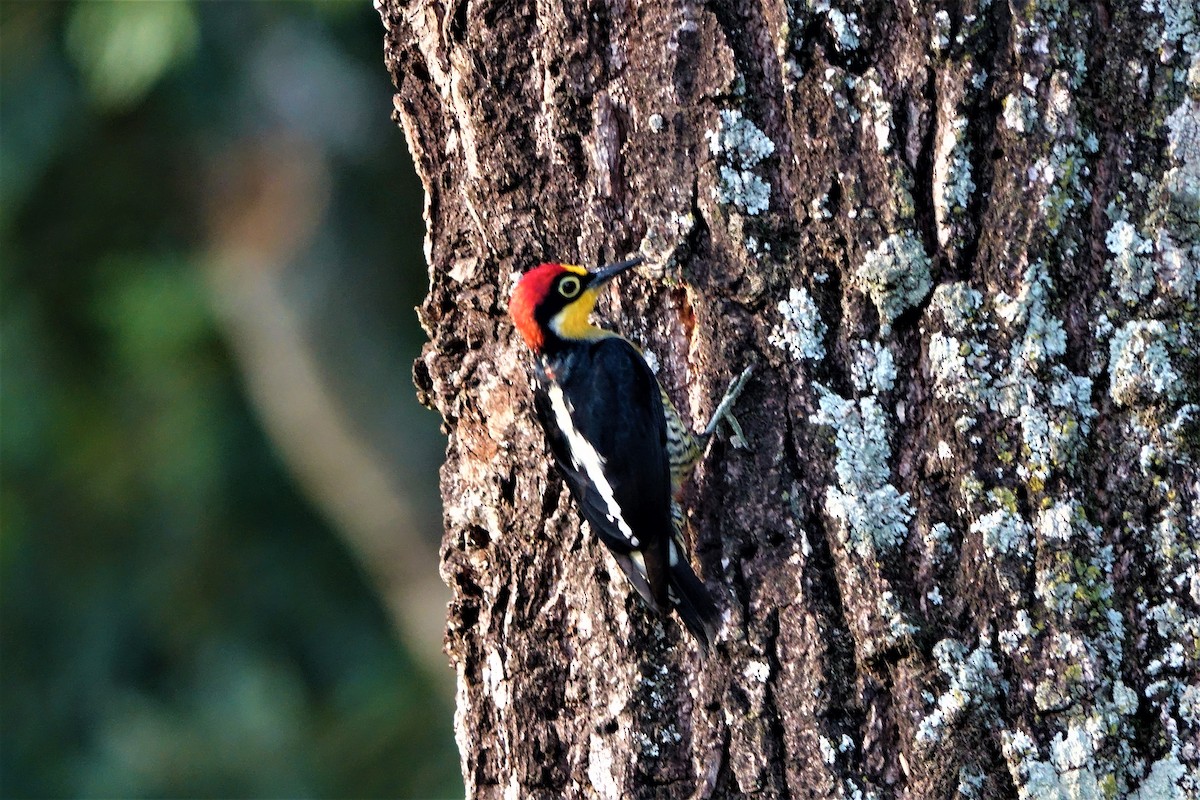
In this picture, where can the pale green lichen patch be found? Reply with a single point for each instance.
(1058, 522)
(828, 752)
(1179, 28)
(957, 304)
(896, 277)
(1179, 263)
(1043, 337)
(844, 27)
(740, 140)
(1067, 584)
(1168, 780)
(1189, 705)
(1006, 540)
(1069, 772)
(1020, 112)
(1131, 268)
(974, 680)
(1174, 630)
(1089, 757)
(740, 144)
(1046, 100)
(970, 782)
(1176, 433)
(959, 369)
(952, 183)
(1176, 627)
(1168, 542)
(873, 514)
(960, 363)
(1183, 134)
(1086, 734)
(939, 34)
(1081, 637)
(1062, 172)
(1179, 244)
(801, 332)
(1059, 112)
(1139, 365)
(873, 369)
(1047, 30)
(1003, 533)
(1072, 771)
(1015, 641)
(897, 627)
(1161, 253)
(878, 119)
(937, 541)
(840, 93)
(1050, 403)
(1071, 586)
(744, 189)
(1054, 434)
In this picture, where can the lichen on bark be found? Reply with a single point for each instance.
(962, 554)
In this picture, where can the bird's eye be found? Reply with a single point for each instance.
(569, 286)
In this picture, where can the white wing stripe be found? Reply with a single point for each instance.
(587, 459)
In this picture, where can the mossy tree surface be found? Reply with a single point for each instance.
(960, 242)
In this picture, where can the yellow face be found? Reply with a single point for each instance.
(572, 322)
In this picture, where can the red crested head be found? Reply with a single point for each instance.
(552, 302)
(531, 292)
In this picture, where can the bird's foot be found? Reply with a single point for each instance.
(725, 410)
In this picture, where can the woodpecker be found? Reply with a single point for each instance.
(619, 443)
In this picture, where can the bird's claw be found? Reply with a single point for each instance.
(724, 411)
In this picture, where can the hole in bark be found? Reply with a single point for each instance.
(501, 600)
(550, 497)
(687, 314)
(466, 586)
(508, 488)
(421, 376)
(458, 25)
(478, 537)
(834, 202)
(469, 614)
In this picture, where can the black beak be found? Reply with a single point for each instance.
(603, 275)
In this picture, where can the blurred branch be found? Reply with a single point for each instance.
(269, 201)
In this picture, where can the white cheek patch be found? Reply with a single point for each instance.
(587, 459)
(556, 323)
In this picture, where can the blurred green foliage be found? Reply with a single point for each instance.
(175, 618)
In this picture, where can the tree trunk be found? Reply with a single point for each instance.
(959, 555)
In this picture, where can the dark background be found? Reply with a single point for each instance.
(177, 616)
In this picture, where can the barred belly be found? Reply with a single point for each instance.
(683, 451)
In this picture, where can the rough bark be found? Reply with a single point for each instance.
(960, 241)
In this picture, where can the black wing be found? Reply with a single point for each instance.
(615, 405)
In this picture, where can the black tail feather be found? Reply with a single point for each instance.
(694, 604)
